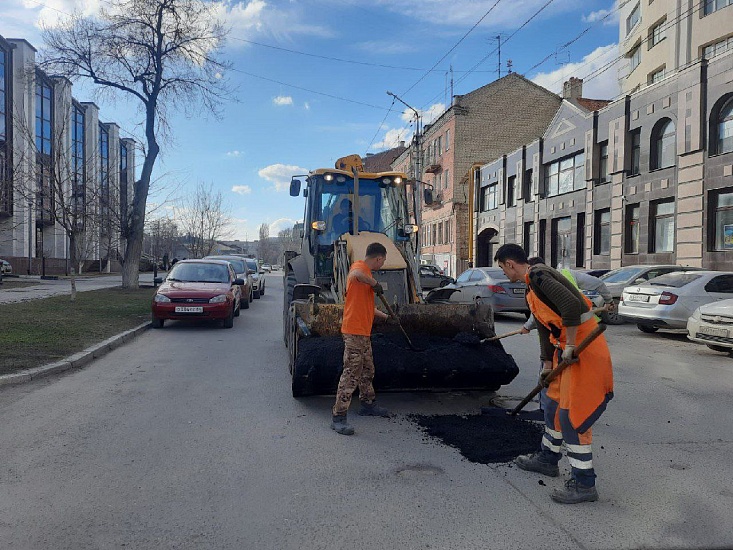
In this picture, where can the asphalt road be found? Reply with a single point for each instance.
(188, 438)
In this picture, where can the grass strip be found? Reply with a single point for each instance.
(42, 331)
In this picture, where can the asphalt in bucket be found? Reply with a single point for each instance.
(484, 439)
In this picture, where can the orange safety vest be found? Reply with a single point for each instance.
(359, 306)
(584, 387)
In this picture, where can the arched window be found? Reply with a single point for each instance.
(664, 146)
(725, 128)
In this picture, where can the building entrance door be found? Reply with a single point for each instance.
(561, 242)
(485, 247)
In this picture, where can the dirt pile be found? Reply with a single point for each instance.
(483, 439)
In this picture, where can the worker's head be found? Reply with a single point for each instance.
(376, 255)
(345, 207)
(512, 259)
(534, 260)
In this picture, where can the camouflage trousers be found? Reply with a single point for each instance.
(358, 373)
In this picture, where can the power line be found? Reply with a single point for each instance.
(380, 127)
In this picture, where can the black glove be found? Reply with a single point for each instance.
(378, 290)
(392, 320)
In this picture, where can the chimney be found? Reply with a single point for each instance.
(573, 88)
(402, 143)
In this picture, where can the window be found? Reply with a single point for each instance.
(635, 152)
(44, 101)
(465, 276)
(721, 284)
(565, 175)
(447, 140)
(602, 237)
(656, 34)
(580, 241)
(104, 171)
(78, 158)
(5, 179)
(632, 229)
(440, 145)
(511, 185)
(123, 181)
(446, 179)
(633, 19)
(715, 5)
(529, 238)
(603, 162)
(656, 76)
(527, 186)
(663, 151)
(634, 58)
(492, 197)
(722, 219)
(717, 48)
(662, 213)
(44, 151)
(725, 128)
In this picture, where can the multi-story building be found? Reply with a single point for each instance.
(483, 124)
(62, 171)
(658, 38)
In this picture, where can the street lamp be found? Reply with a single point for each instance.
(417, 168)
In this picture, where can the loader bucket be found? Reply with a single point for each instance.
(450, 356)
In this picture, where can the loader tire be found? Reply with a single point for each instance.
(290, 282)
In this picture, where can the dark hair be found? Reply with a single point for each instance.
(534, 260)
(376, 249)
(511, 251)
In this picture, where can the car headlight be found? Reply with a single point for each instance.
(696, 314)
(218, 299)
(161, 299)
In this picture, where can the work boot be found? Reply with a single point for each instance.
(574, 493)
(534, 463)
(339, 424)
(372, 409)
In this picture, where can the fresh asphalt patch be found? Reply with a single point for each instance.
(483, 439)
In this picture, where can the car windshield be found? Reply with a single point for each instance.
(675, 280)
(252, 264)
(622, 275)
(199, 273)
(237, 264)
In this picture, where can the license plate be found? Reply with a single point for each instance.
(518, 290)
(638, 298)
(713, 331)
(189, 309)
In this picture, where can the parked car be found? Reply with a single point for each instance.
(712, 325)
(431, 277)
(669, 300)
(241, 271)
(5, 268)
(618, 279)
(198, 289)
(597, 272)
(258, 279)
(276, 267)
(488, 284)
(267, 268)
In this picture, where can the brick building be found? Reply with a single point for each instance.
(483, 124)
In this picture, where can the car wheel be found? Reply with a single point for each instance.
(289, 287)
(157, 323)
(229, 321)
(257, 294)
(247, 300)
(239, 307)
(722, 349)
(262, 290)
(647, 328)
(612, 317)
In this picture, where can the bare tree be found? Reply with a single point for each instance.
(266, 249)
(289, 241)
(203, 219)
(162, 53)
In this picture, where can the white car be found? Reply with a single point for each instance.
(712, 325)
(5, 267)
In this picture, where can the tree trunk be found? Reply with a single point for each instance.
(72, 252)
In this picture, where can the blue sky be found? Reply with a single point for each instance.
(278, 125)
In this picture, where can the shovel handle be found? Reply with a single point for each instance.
(389, 310)
(499, 337)
(595, 333)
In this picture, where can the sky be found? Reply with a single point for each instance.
(310, 80)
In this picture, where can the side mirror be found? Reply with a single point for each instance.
(428, 195)
(250, 272)
(639, 281)
(158, 280)
(294, 187)
(238, 281)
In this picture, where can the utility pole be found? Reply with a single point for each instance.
(417, 172)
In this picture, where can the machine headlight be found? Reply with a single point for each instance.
(161, 299)
(696, 314)
(221, 298)
(319, 226)
(410, 228)
(328, 177)
(398, 180)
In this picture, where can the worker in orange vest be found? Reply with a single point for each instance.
(578, 396)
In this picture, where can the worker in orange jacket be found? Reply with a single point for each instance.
(356, 329)
(575, 399)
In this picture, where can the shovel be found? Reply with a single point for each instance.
(392, 314)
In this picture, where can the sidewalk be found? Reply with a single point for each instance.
(48, 288)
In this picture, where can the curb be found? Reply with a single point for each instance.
(76, 361)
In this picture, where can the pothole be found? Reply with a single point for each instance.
(418, 470)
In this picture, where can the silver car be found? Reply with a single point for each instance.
(5, 267)
(491, 286)
(669, 300)
(618, 279)
(712, 325)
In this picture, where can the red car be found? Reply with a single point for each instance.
(198, 289)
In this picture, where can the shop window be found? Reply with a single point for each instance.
(724, 128)
(662, 216)
(722, 219)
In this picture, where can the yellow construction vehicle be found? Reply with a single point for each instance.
(346, 209)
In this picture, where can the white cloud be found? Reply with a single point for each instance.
(235, 153)
(242, 189)
(280, 224)
(280, 174)
(598, 70)
(392, 138)
(307, 106)
(386, 47)
(282, 100)
(609, 16)
(248, 19)
(240, 229)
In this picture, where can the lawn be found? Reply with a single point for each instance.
(38, 332)
(9, 284)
